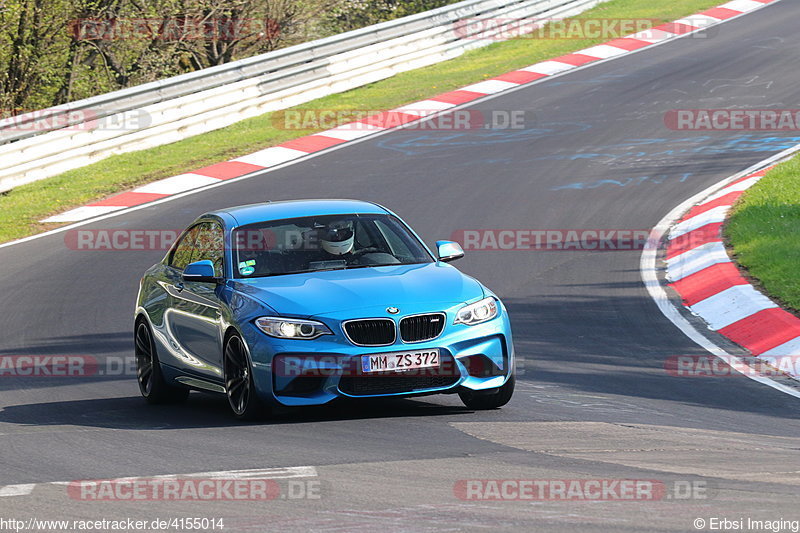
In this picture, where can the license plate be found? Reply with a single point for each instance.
(398, 361)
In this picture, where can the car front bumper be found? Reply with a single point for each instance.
(314, 372)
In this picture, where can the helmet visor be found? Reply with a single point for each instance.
(338, 231)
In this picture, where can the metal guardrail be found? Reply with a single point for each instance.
(169, 110)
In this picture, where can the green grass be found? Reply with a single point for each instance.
(764, 232)
(22, 208)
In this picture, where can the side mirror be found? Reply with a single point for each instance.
(202, 271)
(449, 251)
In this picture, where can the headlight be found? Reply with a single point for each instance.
(292, 328)
(478, 312)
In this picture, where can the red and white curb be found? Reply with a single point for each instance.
(407, 114)
(290, 472)
(686, 245)
(710, 285)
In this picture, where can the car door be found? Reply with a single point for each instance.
(194, 315)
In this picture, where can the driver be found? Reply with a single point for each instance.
(337, 238)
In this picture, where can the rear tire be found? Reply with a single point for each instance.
(240, 388)
(490, 398)
(151, 380)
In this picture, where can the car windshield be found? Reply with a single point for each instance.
(331, 242)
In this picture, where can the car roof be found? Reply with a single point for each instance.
(253, 213)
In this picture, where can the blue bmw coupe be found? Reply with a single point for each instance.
(301, 302)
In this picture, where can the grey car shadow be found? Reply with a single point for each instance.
(208, 410)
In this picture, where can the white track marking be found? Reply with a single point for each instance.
(649, 272)
(711, 216)
(261, 473)
(549, 67)
(352, 131)
(731, 305)
(490, 86)
(603, 51)
(742, 5)
(698, 21)
(736, 187)
(176, 184)
(423, 108)
(83, 213)
(17, 490)
(363, 138)
(653, 36)
(270, 157)
(696, 260)
(791, 348)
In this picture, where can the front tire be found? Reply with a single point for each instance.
(240, 388)
(152, 384)
(490, 398)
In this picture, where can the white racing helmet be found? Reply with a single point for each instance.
(337, 237)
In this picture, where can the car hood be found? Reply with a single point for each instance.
(326, 292)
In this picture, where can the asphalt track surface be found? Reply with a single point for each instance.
(593, 398)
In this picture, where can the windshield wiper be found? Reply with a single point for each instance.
(317, 270)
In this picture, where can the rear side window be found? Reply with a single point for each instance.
(182, 254)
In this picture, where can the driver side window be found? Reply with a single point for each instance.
(210, 244)
(182, 254)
